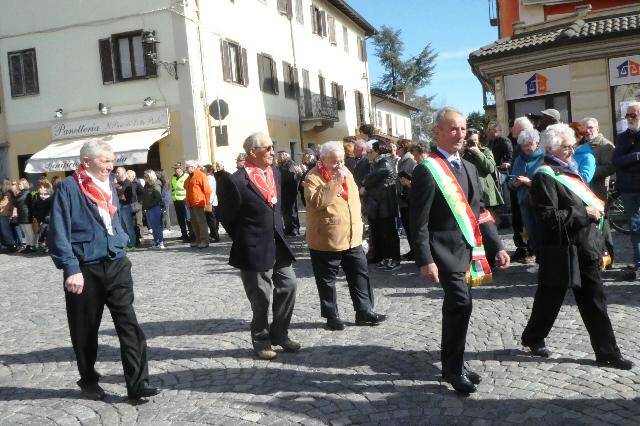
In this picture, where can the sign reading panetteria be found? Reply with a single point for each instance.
(110, 124)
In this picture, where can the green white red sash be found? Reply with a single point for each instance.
(479, 271)
(582, 190)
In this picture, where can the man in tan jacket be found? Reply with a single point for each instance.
(334, 236)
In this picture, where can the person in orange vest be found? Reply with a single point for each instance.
(198, 196)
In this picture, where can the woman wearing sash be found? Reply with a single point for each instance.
(570, 241)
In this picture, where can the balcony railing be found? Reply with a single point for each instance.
(314, 106)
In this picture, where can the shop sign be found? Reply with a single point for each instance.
(110, 124)
(624, 70)
(537, 83)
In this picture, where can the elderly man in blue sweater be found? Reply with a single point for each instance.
(87, 241)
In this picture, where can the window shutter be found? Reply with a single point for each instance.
(345, 37)
(364, 50)
(299, 14)
(226, 63)
(332, 29)
(148, 51)
(296, 82)
(274, 76)
(314, 20)
(340, 98)
(15, 75)
(245, 68)
(323, 24)
(106, 61)
(286, 79)
(289, 9)
(30, 67)
(283, 6)
(261, 75)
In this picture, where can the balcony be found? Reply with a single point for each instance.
(318, 112)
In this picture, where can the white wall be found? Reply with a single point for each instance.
(398, 113)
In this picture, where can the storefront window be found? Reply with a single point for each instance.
(622, 95)
(561, 102)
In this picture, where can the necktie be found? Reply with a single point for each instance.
(455, 162)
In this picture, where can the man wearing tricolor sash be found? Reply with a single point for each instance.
(570, 218)
(448, 222)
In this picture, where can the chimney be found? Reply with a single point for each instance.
(401, 96)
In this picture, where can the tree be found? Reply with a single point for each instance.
(406, 75)
(478, 120)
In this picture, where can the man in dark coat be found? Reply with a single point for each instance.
(290, 174)
(440, 250)
(249, 207)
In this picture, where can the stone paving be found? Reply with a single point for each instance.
(197, 324)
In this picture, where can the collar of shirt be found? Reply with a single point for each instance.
(450, 157)
(104, 185)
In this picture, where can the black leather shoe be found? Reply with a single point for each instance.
(145, 391)
(615, 362)
(540, 350)
(472, 376)
(369, 318)
(289, 345)
(335, 324)
(92, 391)
(460, 383)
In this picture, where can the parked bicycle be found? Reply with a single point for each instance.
(614, 211)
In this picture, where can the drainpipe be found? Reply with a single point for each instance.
(210, 138)
(295, 68)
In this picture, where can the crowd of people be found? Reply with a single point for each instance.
(546, 179)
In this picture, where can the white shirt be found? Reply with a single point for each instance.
(213, 200)
(450, 157)
(104, 215)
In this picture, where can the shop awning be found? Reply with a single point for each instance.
(129, 148)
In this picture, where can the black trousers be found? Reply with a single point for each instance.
(404, 216)
(516, 221)
(290, 216)
(326, 265)
(592, 304)
(182, 214)
(107, 283)
(456, 312)
(384, 238)
(212, 223)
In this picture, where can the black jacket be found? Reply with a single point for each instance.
(22, 204)
(557, 207)
(41, 208)
(435, 232)
(290, 182)
(382, 201)
(626, 158)
(254, 226)
(502, 151)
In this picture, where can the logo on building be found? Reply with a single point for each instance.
(629, 68)
(537, 84)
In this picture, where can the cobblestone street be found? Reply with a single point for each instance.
(192, 307)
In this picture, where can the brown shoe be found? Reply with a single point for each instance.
(529, 260)
(266, 353)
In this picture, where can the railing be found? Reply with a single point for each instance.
(315, 106)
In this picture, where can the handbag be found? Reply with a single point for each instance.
(559, 263)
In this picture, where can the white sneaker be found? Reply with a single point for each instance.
(365, 246)
(161, 246)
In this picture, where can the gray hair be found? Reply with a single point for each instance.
(528, 136)
(551, 139)
(523, 123)
(91, 149)
(150, 175)
(442, 112)
(252, 141)
(634, 104)
(588, 120)
(332, 146)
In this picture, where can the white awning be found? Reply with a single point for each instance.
(129, 148)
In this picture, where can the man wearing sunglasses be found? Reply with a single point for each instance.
(626, 159)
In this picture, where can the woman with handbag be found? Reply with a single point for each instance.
(570, 241)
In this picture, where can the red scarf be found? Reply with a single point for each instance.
(326, 175)
(263, 180)
(93, 191)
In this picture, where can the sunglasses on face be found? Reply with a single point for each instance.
(631, 116)
(266, 148)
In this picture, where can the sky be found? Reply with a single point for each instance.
(453, 27)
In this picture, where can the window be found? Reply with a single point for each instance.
(222, 135)
(561, 102)
(293, 149)
(234, 63)
(125, 57)
(389, 126)
(318, 21)
(284, 7)
(622, 95)
(23, 73)
(268, 74)
(396, 124)
(332, 29)
(359, 108)
(345, 38)
(321, 86)
(337, 92)
(379, 120)
(290, 78)
(362, 49)
(299, 14)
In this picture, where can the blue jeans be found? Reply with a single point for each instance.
(529, 222)
(126, 214)
(631, 203)
(6, 234)
(154, 220)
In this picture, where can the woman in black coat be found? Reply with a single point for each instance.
(570, 252)
(382, 208)
(22, 204)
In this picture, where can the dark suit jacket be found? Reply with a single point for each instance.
(437, 237)
(254, 226)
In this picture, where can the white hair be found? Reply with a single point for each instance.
(551, 139)
(370, 144)
(523, 123)
(93, 148)
(191, 163)
(634, 104)
(328, 147)
(442, 112)
(588, 120)
(150, 175)
(252, 141)
(528, 136)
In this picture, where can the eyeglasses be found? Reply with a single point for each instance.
(266, 148)
(568, 147)
(631, 116)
